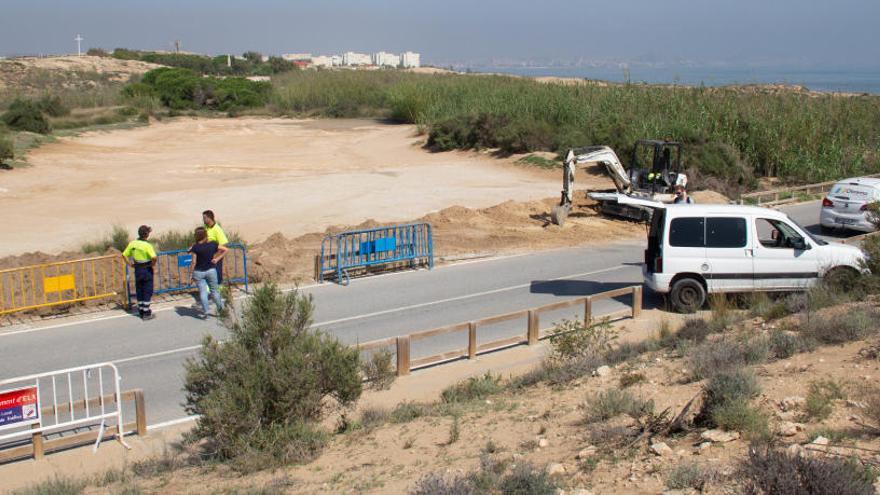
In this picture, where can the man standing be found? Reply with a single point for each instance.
(141, 256)
(681, 195)
(215, 234)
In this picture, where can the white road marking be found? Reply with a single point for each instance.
(379, 313)
(166, 424)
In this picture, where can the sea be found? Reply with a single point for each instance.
(826, 80)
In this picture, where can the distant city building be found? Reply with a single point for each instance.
(384, 59)
(337, 60)
(323, 61)
(409, 60)
(290, 57)
(353, 58)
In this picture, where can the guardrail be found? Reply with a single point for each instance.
(788, 194)
(410, 245)
(403, 343)
(24, 418)
(856, 239)
(172, 271)
(62, 282)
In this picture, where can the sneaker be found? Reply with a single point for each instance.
(148, 316)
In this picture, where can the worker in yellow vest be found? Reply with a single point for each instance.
(141, 256)
(215, 234)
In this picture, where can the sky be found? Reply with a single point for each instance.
(804, 33)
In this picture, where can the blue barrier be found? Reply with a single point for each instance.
(173, 268)
(412, 243)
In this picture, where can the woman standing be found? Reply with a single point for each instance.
(208, 254)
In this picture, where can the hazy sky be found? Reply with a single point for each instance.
(795, 32)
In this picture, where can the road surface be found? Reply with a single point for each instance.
(150, 355)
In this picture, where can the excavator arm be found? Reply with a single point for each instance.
(602, 154)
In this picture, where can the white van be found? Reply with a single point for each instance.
(695, 250)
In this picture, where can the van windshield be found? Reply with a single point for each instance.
(809, 234)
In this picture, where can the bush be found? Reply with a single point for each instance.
(525, 479)
(768, 471)
(474, 388)
(727, 354)
(53, 106)
(372, 417)
(819, 401)
(238, 92)
(571, 338)
(54, 486)
(118, 239)
(25, 115)
(630, 379)
(695, 330)
(854, 325)
(688, 475)
(262, 393)
(784, 345)
(380, 370)
(407, 411)
(7, 149)
(614, 402)
(724, 388)
(441, 484)
(739, 415)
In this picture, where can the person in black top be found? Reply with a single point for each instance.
(207, 254)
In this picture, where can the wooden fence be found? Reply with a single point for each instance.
(403, 343)
(39, 446)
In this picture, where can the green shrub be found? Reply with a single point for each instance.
(53, 106)
(820, 397)
(25, 115)
(688, 475)
(372, 417)
(694, 330)
(727, 354)
(262, 393)
(738, 385)
(54, 486)
(571, 338)
(613, 402)
(630, 379)
(442, 484)
(238, 92)
(118, 239)
(407, 411)
(474, 388)
(169, 240)
(380, 370)
(526, 479)
(7, 149)
(854, 325)
(770, 471)
(784, 344)
(739, 415)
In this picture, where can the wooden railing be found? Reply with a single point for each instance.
(532, 334)
(788, 194)
(39, 446)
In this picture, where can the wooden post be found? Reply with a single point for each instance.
(472, 340)
(37, 439)
(140, 413)
(588, 311)
(403, 355)
(533, 332)
(637, 301)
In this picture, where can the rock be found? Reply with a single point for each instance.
(788, 429)
(794, 449)
(719, 436)
(586, 453)
(661, 449)
(680, 491)
(820, 440)
(856, 404)
(603, 370)
(555, 468)
(792, 403)
(543, 442)
(703, 447)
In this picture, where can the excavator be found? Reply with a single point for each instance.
(654, 181)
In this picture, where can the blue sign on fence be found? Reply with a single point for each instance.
(184, 260)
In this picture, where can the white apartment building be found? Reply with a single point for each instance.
(323, 61)
(409, 60)
(352, 58)
(290, 57)
(385, 59)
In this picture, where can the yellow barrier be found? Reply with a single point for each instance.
(63, 282)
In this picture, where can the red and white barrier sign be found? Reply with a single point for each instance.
(19, 407)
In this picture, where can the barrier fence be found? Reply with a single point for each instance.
(63, 282)
(409, 245)
(403, 344)
(73, 405)
(173, 269)
(789, 194)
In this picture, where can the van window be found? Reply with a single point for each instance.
(725, 232)
(687, 232)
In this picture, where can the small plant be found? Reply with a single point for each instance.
(784, 344)
(454, 429)
(539, 161)
(490, 448)
(695, 330)
(379, 369)
(439, 484)
(54, 486)
(739, 415)
(820, 396)
(371, 417)
(614, 402)
(630, 379)
(854, 325)
(525, 479)
(7, 150)
(723, 388)
(688, 475)
(407, 411)
(118, 239)
(571, 338)
(769, 471)
(475, 388)
(530, 445)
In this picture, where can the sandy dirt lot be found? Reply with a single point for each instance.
(261, 176)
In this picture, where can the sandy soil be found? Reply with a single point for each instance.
(260, 176)
(31, 74)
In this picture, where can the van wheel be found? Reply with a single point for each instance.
(687, 295)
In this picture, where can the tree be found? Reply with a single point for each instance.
(25, 115)
(262, 393)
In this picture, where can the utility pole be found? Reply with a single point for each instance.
(78, 40)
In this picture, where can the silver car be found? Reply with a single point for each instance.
(846, 205)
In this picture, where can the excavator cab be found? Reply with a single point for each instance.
(655, 165)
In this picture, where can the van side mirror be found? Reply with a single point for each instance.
(800, 244)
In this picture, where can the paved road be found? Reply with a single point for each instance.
(150, 355)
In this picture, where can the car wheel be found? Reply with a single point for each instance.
(687, 295)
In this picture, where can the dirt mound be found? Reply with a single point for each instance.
(34, 75)
(710, 197)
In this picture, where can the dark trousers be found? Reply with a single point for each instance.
(219, 267)
(143, 286)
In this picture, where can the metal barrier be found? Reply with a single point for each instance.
(173, 268)
(402, 344)
(412, 244)
(63, 282)
(25, 413)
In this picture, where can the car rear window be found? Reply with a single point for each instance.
(687, 232)
(854, 192)
(725, 232)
